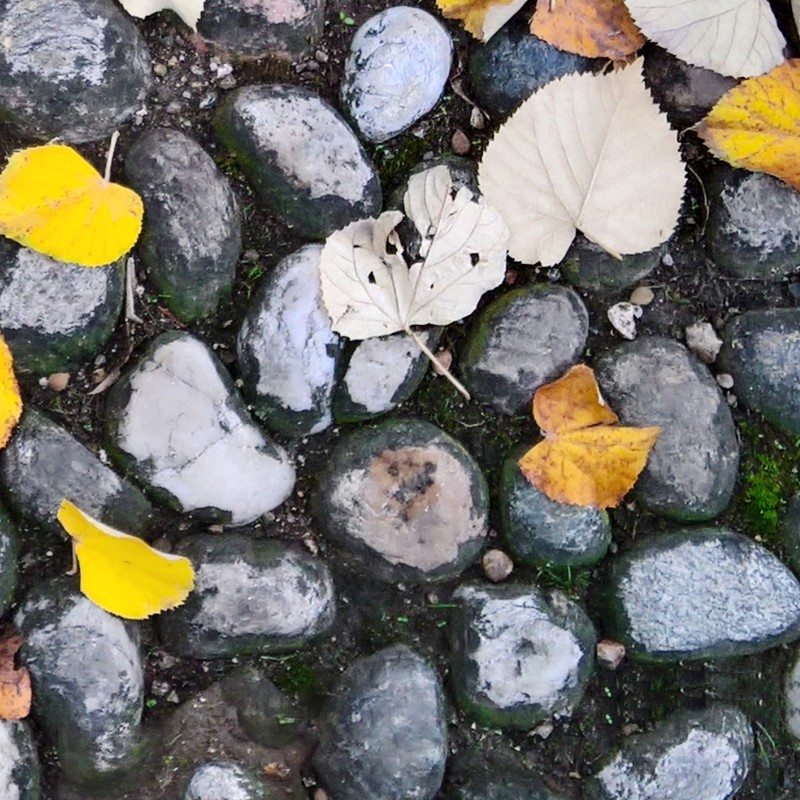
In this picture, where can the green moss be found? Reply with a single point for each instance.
(297, 677)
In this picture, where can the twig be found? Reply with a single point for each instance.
(442, 368)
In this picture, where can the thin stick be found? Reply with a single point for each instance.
(443, 369)
(110, 156)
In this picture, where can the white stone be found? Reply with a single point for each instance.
(622, 317)
(215, 781)
(10, 758)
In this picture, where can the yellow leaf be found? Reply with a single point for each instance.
(585, 458)
(592, 28)
(10, 400)
(481, 18)
(121, 573)
(756, 124)
(54, 201)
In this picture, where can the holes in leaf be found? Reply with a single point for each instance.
(371, 278)
(474, 258)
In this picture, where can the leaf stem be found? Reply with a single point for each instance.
(110, 157)
(441, 367)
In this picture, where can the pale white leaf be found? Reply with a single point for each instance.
(188, 10)
(496, 16)
(368, 288)
(586, 152)
(732, 37)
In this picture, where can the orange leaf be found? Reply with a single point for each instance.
(756, 124)
(585, 458)
(592, 28)
(15, 684)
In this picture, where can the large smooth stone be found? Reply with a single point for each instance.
(398, 65)
(405, 500)
(176, 422)
(519, 656)
(302, 158)
(692, 754)
(75, 69)
(691, 470)
(53, 315)
(88, 681)
(20, 774)
(383, 735)
(250, 596)
(699, 593)
(286, 350)
(9, 549)
(761, 350)
(191, 237)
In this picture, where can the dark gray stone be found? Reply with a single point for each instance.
(519, 656)
(791, 533)
(191, 237)
(250, 596)
(521, 340)
(791, 697)
(286, 350)
(55, 316)
(176, 422)
(540, 531)
(9, 548)
(76, 69)
(753, 229)
(398, 65)
(691, 471)
(43, 464)
(88, 682)
(699, 754)
(405, 500)
(383, 734)
(20, 775)
(761, 350)
(302, 158)
(216, 780)
(698, 593)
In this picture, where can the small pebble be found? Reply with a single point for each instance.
(58, 381)
(477, 119)
(445, 358)
(497, 566)
(667, 260)
(320, 794)
(725, 381)
(160, 70)
(460, 143)
(642, 296)
(610, 653)
(543, 730)
(702, 340)
(622, 317)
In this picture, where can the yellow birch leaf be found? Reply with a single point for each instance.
(756, 124)
(54, 201)
(10, 400)
(481, 18)
(121, 573)
(585, 458)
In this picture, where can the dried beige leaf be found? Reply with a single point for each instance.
(188, 10)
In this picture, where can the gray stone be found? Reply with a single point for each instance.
(520, 656)
(20, 776)
(9, 548)
(176, 422)
(514, 63)
(699, 754)
(521, 340)
(405, 500)
(753, 231)
(791, 697)
(691, 471)
(43, 464)
(191, 237)
(250, 596)
(244, 28)
(398, 65)
(587, 265)
(540, 531)
(463, 172)
(88, 682)
(55, 316)
(302, 158)
(76, 69)
(286, 350)
(761, 350)
(216, 780)
(791, 533)
(383, 735)
(698, 593)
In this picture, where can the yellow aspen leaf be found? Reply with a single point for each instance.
(585, 458)
(481, 18)
(10, 400)
(54, 201)
(121, 573)
(592, 28)
(756, 124)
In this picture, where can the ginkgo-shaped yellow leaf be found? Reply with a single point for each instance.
(756, 124)
(585, 458)
(10, 399)
(54, 201)
(481, 18)
(121, 573)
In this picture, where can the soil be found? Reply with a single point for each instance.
(617, 703)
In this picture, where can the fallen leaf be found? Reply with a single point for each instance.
(121, 573)
(10, 399)
(592, 28)
(481, 18)
(586, 152)
(188, 10)
(15, 683)
(585, 458)
(54, 201)
(756, 124)
(733, 37)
